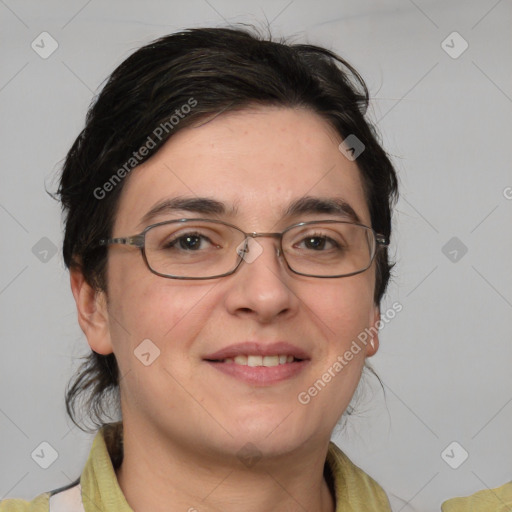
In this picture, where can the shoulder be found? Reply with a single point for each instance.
(354, 487)
(489, 500)
(38, 504)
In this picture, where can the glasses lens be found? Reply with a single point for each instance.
(329, 248)
(192, 248)
(203, 249)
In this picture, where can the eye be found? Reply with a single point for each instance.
(189, 242)
(319, 242)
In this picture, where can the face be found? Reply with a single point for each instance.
(258, 161)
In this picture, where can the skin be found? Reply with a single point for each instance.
(184, 421)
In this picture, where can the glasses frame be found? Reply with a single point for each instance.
(139, 241)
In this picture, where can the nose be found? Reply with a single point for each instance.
(262, 287)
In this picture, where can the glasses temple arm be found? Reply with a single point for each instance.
(136, 240)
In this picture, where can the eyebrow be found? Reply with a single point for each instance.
(328, 205)
(206, 206)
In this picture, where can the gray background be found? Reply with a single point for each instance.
(444, 359)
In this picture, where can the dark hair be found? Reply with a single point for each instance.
(173, 83)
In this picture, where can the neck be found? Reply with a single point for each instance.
(162, 476)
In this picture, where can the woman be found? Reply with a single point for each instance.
(228, 211)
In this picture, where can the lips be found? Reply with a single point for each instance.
(258, 349)
(260, 364)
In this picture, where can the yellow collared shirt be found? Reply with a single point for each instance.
(490, 500)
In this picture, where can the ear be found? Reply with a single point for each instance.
(373, 343)
(92, 312)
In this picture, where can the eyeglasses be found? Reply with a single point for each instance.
(207, 249)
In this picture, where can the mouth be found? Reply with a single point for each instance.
(259, 364)
(254, 360)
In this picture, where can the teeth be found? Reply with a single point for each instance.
(270, 360)
(254, 360)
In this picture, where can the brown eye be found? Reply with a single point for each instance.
(188, 242)
(315, 242)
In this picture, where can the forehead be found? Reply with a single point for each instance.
(256, 161)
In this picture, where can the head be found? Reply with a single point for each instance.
(255, 125)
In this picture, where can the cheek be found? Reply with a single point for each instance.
(342, 311)
(168, 312)
(153, 327)
(344, 305)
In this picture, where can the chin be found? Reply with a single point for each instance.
(273, 435)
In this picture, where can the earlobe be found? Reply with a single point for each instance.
(373, 345)
(92, 313)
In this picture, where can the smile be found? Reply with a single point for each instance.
(260, 363)
(257, 360)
